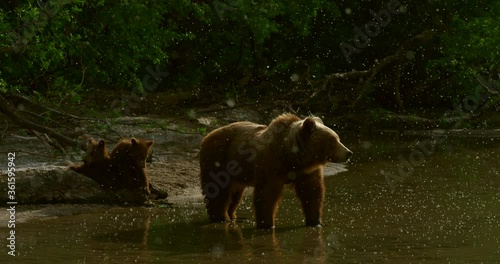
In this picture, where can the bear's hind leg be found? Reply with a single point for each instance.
(236, 196)
(217, 203)
(310, 190)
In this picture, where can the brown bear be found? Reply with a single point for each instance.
(288, 151)
(128, 161)
(96, 164)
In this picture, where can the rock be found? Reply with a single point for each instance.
(56, 184)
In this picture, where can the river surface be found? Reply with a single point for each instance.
(403, 199)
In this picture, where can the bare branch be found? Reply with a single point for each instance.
(10, 111)
(7, 49)
(25, 99)
(489, 85)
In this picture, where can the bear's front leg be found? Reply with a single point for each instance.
(267, 195)
(140, 180)
(310, 190)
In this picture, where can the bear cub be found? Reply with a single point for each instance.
(128, 160)
(96, 164)
(124, 168)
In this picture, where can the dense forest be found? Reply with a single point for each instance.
(408, 58)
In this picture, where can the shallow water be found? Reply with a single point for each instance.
(445, 208)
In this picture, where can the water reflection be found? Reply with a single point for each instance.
(239, 242)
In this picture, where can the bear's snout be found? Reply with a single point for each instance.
(343, 154)
(345, 157)
(349, 155)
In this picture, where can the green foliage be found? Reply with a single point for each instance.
(469, 49)
(203, 130)
(3, 86)
(62, 48)
(66, 42)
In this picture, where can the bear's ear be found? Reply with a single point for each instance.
(134, 141)
(318, 120)
(149, 143)
(308, 125)
(102, 143)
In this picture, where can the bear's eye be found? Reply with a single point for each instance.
(139, 158)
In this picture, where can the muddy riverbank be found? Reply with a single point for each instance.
(42, 175)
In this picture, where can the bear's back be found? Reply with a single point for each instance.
(224, 137)
(221, 144)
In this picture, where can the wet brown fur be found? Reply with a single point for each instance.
(96, 164)
(244, 154)
(128, 160)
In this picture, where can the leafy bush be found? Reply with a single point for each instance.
(65, 48)
(470, 48)
(102, 42)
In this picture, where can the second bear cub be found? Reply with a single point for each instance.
(96, 164)
(128, 161)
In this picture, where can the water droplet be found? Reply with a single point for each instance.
(192, 114)
(410, 55)
(366, 144)
(218, 250)
(231, 102)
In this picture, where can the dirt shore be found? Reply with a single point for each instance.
(42, 174)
